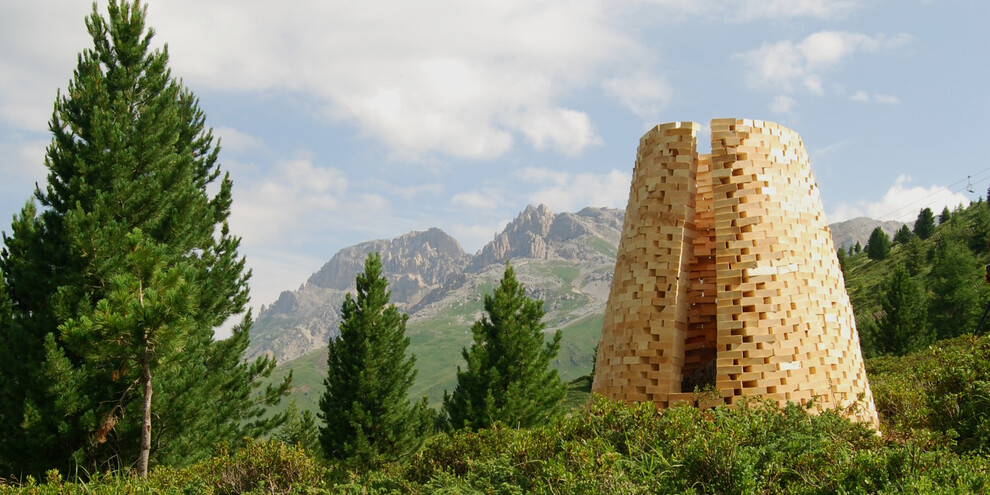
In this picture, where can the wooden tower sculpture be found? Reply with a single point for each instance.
(727, 275)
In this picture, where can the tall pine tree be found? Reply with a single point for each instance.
(117, 281)
(366, 410)
(508, 377)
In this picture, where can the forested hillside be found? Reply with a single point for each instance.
(927, 285)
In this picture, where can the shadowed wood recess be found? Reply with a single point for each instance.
(727, 277)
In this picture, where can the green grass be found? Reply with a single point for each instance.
(437, 344)
(602, 246)
(577, 346)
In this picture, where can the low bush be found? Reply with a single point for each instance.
(753, 447)
(940, 395)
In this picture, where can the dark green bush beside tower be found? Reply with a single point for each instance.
(509, 378)
(369, 418)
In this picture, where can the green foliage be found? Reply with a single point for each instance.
(945, 216)
(368, 418)
(948, 269)
(955, 282)
(261, 467)
(300, 429)
(840, 254)
(924, 226)
(903, 326)
(939, 396)
(125, 217)
(903, 235)
(508, 377)
(878, 247)
(979, 228)
(754, 447)
(858, 248)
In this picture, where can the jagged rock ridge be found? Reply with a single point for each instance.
(428, 271)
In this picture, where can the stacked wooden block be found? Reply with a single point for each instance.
(726, 275)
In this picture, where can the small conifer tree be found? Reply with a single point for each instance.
(368, 416)
(858, 248)
(840, 254)
(924, 226)
(300, 429)
(508, 377)
(903, 235)
(878, 247)
(903, 326)
(954, 281)
(945, 216)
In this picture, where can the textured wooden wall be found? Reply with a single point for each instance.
(726, 275)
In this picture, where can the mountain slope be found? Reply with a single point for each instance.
(428, 272)
(849, 232)
(564, 259)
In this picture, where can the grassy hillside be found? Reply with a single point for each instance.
(955, 296)
(437, 341)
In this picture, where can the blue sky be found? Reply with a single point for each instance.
(346, 121)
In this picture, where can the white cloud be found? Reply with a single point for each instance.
(750, 10)
(865, 97)
(301, 198)
(464, 79)
(788, 9)
(33, 65)
(567, 131)
(581, 190)
(411, 192)
(23, 159)
(477, 200)
(813, 83)
(783, 64)
(782, 104)
(541, 175)
(22, 166)
(643, 94)
(901, 202)
(236, 141)
(457, 78)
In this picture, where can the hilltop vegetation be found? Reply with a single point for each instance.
(923, 289)
(609, 448)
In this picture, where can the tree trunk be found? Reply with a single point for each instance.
(146, 423)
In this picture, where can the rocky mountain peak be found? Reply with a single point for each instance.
(425, 269)
(427, 258)
(537, 233)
